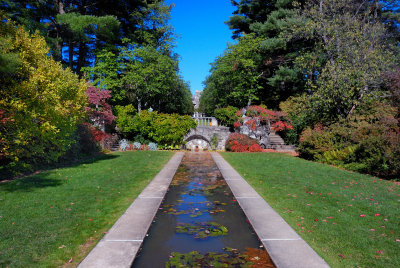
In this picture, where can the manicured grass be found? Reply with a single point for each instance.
(51, 218)
(351, 220)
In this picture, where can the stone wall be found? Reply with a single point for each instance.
(197, 136)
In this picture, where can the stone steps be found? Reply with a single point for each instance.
(278, 144)
(115, 146)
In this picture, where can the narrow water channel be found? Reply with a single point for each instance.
(200, 224)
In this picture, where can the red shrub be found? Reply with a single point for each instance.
(241, 143)
(105, 140)
(237, 124)
(144, 147)
(99, 111)
(255, 116)
(255, 148)
(280, 126)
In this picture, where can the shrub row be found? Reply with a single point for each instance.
(360, 144)
(125, 145)
(164, 129)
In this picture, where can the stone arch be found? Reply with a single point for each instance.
(198, 137)
(205, 133)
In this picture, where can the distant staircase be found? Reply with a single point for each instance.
(115, 146)
(278, 144)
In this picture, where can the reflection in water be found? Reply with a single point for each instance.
(199, 213)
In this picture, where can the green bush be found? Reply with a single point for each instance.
(368, 144)
(317, 141)
(226, 116)
(340, 156)
(125, 115)
(296, 108)
(163, 129)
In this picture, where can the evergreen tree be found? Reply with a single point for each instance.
(81, 26)
(145, 73)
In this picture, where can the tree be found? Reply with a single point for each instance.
(83, 34)
(40, 105)
(278, 76)
(147, 74)
(226, 116)
(99, 111)
(234, 76)
(9, 59)
(392, 82)
(144, 73)
(358, 53)
(84, 27)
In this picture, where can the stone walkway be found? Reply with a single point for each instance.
(119, 247)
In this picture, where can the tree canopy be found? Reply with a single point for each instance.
(41, 103)
(294, 43)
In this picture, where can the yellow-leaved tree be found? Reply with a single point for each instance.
(41, 103)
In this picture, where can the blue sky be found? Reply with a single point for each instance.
(203, 35)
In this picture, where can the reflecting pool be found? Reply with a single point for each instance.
(200, 224)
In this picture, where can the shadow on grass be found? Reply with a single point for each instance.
(42, 179)
(29, 183)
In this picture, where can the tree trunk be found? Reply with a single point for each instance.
(71, 55)
(139, 106)
(81, 58)
(60, 7)
(356, 103)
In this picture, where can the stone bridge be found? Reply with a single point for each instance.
(202, 137)
(208, 132)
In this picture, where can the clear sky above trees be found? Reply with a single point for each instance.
(203, 35)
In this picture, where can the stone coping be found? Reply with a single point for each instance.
(119, 246)
(285, 247)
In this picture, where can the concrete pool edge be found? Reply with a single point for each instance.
(285, 247)
(118, 248)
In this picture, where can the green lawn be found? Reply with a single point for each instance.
(351, 220)
(51, 217)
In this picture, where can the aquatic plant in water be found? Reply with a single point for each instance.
(202, 230)
(211, 207)
(252, 257)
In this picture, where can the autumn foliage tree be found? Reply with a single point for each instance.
(41, 103)
(99, 111)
